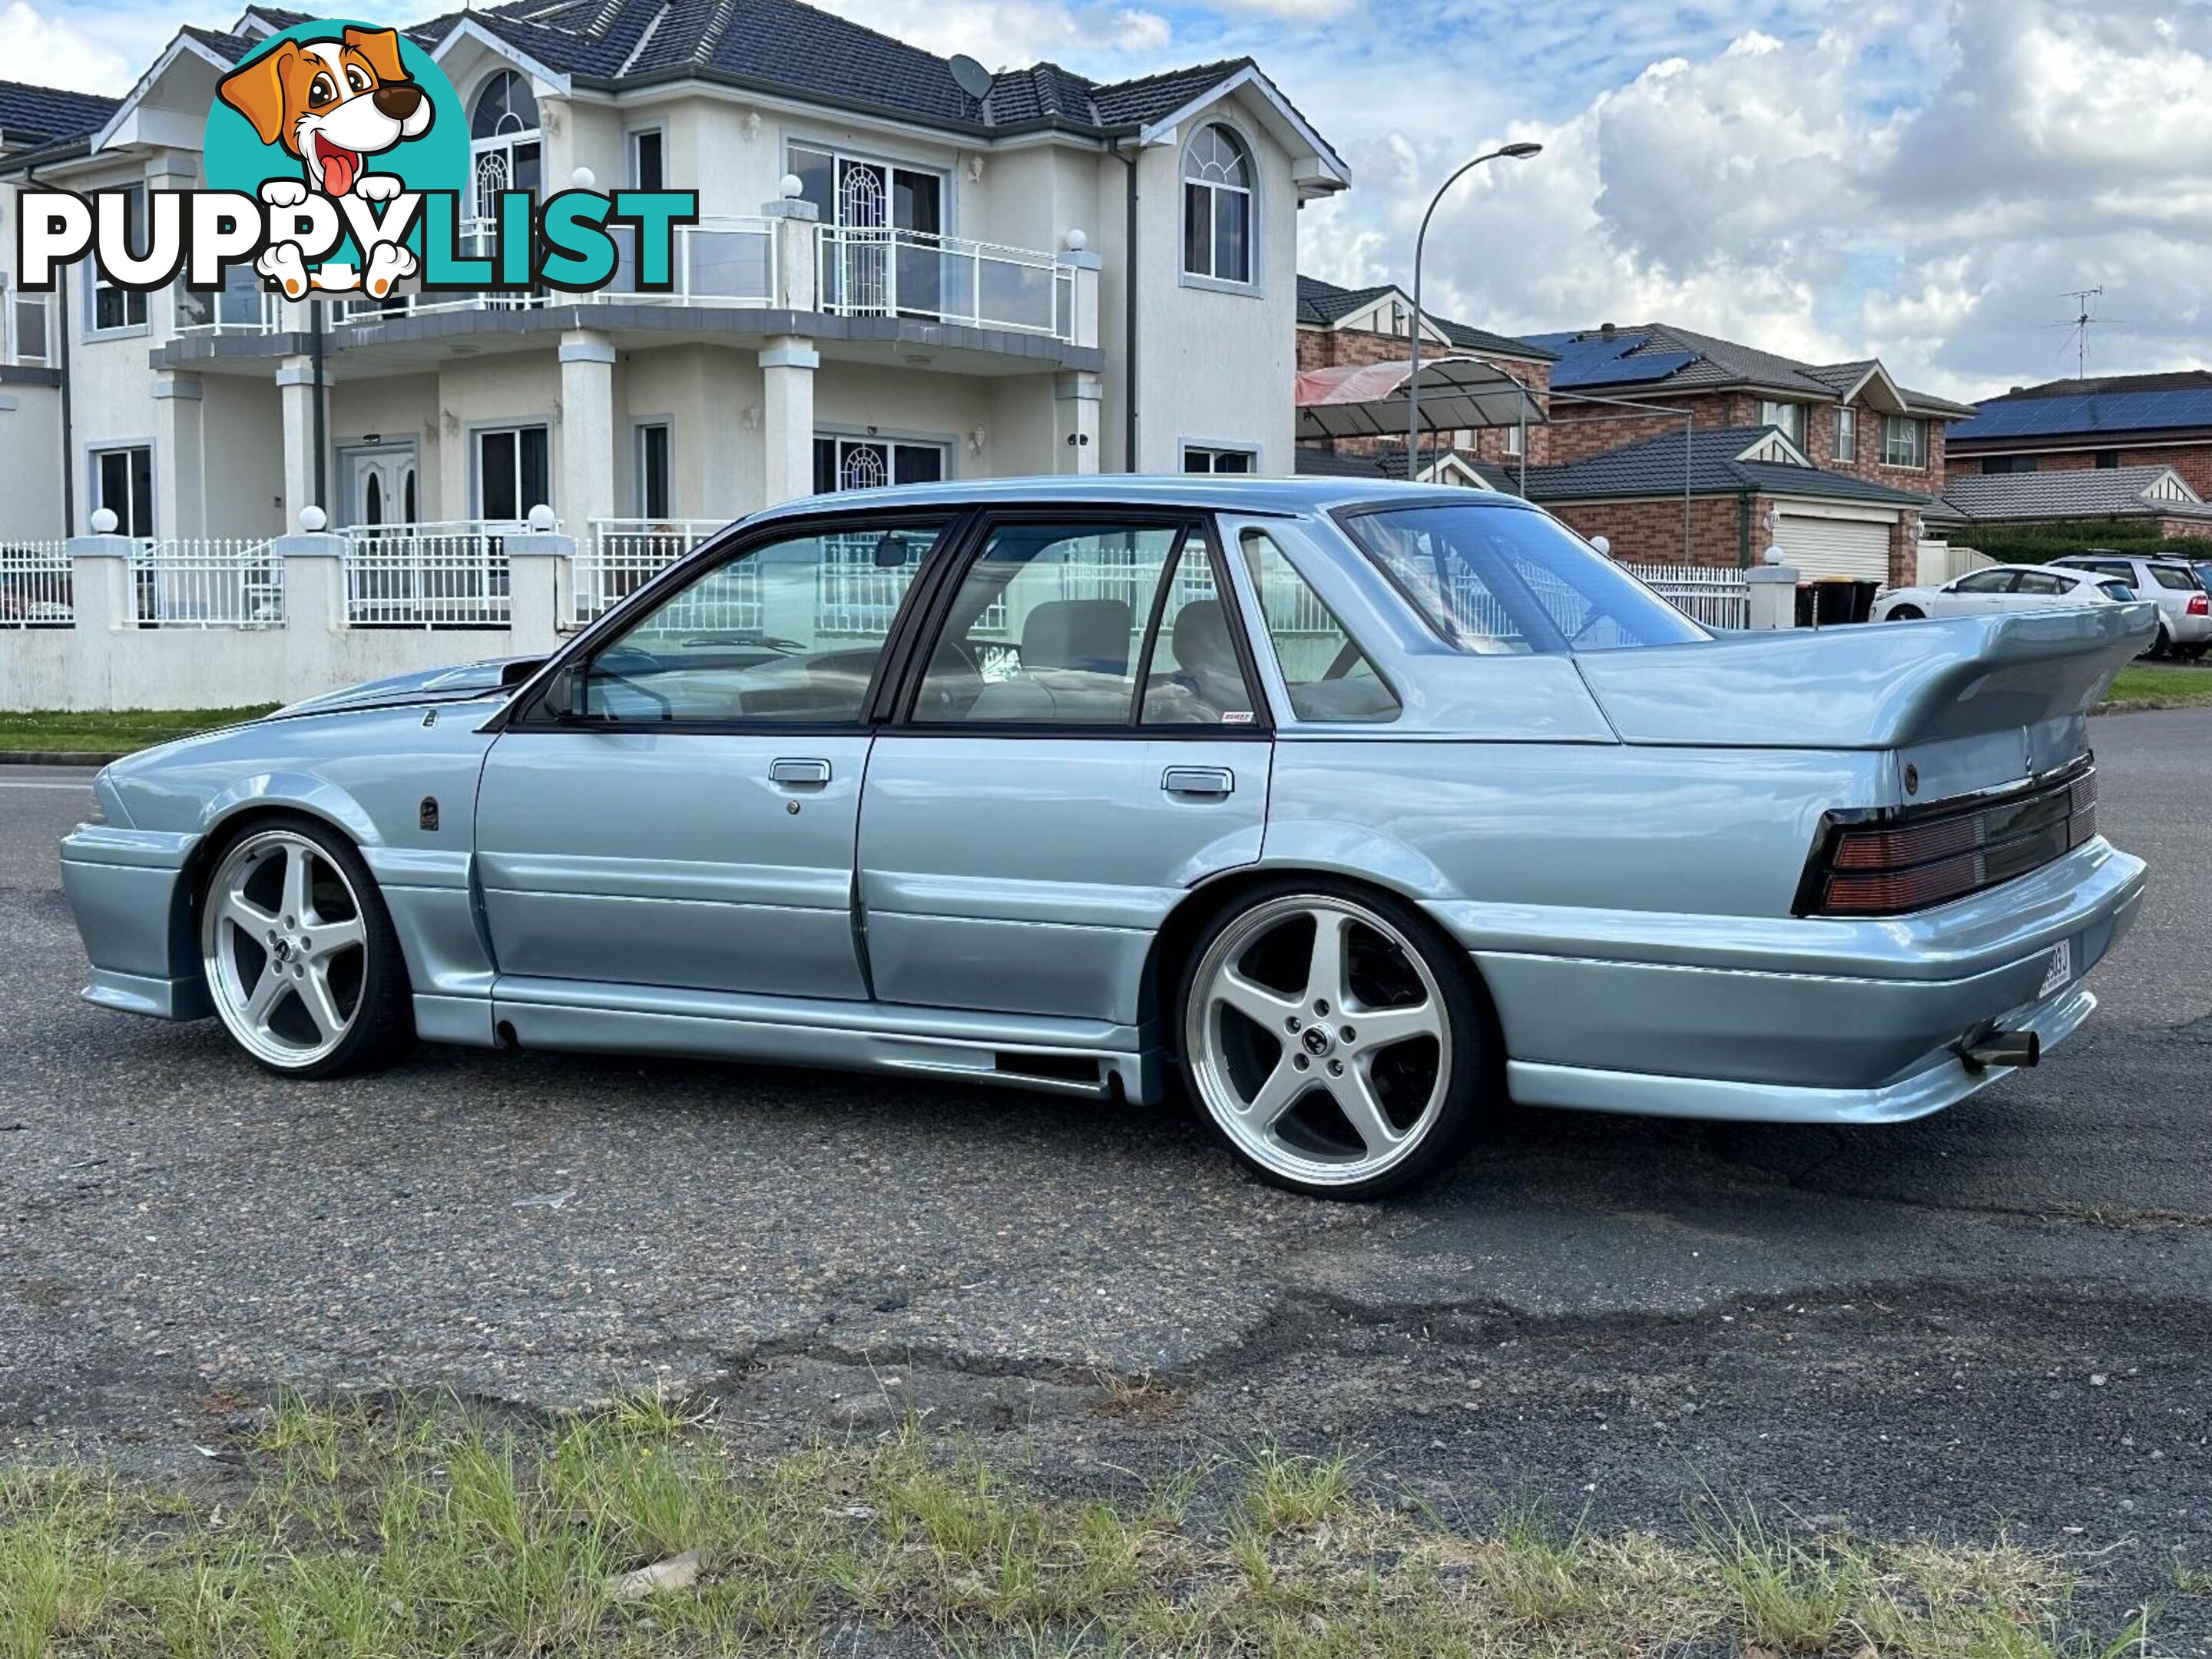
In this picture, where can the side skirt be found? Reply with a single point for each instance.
(1093, 1058)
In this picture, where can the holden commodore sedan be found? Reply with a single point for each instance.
(1352, 809)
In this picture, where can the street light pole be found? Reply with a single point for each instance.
(1520, 152)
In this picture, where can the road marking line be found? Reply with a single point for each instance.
(33, 783)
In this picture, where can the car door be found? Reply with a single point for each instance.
(2040, 590)
(678, 808)
(1080, 742)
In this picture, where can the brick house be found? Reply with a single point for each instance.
(1867, 453)
(2121, 421)
(2154, 498)
(1339, 327)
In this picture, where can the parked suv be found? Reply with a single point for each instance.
(2185, 613)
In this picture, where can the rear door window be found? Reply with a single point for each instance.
(2174, 577)
(1327, 674)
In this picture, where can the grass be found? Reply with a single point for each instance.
(115, 731)
(406, 1530)
(2159, 685)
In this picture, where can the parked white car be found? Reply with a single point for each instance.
(2184, 609)
(2002, 588)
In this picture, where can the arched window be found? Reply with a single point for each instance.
(1217, 206)
(503, 141)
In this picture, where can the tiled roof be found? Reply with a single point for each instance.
(2081, 493)
(1322, 303)
(1712, 363)
(786, 47)
(1389, 463)
(1655, 467)
(33, 115)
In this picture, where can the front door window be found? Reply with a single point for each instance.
(381, 487)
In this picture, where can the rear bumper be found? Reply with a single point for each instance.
(1798, 1020)
(127, 890)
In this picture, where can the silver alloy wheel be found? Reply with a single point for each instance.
(1319, 1039)
(285, 948)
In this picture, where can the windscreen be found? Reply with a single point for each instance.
(1500, 580)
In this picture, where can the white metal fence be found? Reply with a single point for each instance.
(34, 585)
(1715, 597)
(621, 555)
(221, 583)
(887, 272)
(427, 575)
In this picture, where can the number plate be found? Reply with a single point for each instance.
(2057, 977)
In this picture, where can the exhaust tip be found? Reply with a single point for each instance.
(2014, 1050)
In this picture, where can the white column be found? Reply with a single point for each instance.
(586, 488)
(787, 365)
(1773, 596)
(296, 391)
(541, 574)
(797, 256)
(314, 610)
(179, 485)
(1086, 317)
(100, 585)
(1075, 422)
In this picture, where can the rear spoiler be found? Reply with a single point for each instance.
(1878, 685)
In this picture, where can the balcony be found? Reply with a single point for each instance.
(887, 272)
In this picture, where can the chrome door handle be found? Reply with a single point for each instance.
(1198, 781)
(799, 772)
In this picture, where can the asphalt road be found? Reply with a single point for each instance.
(1996, 1316)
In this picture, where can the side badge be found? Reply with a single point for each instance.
(429, 818)
(429, 717)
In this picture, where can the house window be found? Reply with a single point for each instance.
(1212, 458)
(1904, 443)
(503, 141)
(873, 463)
(1790, 417)
(1847, 435)
(2002, 464)
(116, 308)
(123, 483)
(1516, 438)
(511, 476)
(652, 469)
(905, 275)
(26, 326)
(647, 159)
(1217, 206)
(2108, 458)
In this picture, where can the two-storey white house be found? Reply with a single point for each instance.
(906, 268)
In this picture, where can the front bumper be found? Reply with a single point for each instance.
(129, 891)
(1795, 1020)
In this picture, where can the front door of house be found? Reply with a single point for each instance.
(380, 484)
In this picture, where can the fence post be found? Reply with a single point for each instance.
(541, 573)
(314, 565)
(100, 590)
(1773, 592)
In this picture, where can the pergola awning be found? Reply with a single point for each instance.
(1368, 400)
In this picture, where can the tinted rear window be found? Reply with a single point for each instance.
(2119, 590)
(2175, 576)
(1496, 580)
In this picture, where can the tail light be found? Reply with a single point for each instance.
(1884, 864)
(2198, 606)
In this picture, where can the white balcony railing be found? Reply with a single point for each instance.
(910, 273)
(623, 555)
(238, 308)
(34, 585)
(452, 575)
(219, 583)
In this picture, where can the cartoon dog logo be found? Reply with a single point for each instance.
(332, 105)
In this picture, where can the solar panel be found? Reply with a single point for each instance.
(1596, 360)
(2112, 411)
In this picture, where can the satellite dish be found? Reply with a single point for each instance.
(971, 77)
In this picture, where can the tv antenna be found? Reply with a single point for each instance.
(2084, 314)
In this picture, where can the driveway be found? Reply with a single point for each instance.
(1995, 1316)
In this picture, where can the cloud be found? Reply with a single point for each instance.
(52, 51)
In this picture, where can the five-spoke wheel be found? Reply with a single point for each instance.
(298, 952)
(1333, 1042)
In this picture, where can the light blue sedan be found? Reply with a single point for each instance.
(1354, 807)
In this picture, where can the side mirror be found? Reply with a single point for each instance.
(559, 698)
(890, 553)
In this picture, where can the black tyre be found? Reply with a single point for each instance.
(1905, 613)
(302, 964)
(1337, 1039)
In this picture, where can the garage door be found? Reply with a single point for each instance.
(1834, 547)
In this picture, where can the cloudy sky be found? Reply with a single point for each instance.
(1917, 180)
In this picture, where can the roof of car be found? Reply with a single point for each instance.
(1213, 493)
